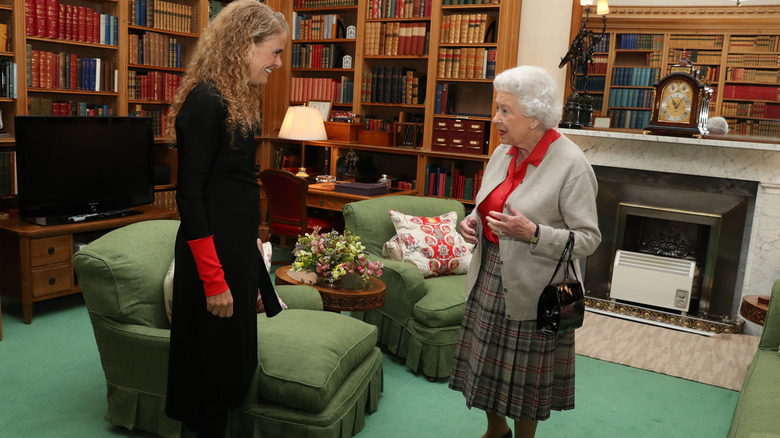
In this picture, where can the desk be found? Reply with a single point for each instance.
(337, 299)
(36, 261)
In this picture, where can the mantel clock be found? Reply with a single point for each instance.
(680, 106)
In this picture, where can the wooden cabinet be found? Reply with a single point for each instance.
(737, 53)
(36, 261)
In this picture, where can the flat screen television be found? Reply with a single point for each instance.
(72, 169)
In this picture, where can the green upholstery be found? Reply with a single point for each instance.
(318, 374)
(756, 413)
(420, 320)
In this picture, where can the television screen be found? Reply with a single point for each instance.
(76, 168)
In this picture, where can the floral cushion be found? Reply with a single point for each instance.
(433, 244)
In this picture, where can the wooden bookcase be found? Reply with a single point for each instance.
(740, 60)
(381, 153)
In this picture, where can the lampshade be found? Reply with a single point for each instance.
(602, 8)
(586, 2)
(303, 123)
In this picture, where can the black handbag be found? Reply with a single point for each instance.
(562, 305)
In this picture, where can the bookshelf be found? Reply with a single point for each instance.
(7, 100)
(738, 54)
(404, 45)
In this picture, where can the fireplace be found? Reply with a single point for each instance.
(701, 220)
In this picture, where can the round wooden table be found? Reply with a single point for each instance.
(754, 308)
(336, 299)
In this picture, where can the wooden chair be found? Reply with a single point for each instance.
(287, 215)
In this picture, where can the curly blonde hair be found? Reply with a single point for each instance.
(220, 59)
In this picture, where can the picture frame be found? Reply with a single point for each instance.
(602, 122)
(323, 106)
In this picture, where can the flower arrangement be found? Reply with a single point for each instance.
(332, 256)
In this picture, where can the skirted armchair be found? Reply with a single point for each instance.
(421, 318)
(318, 374)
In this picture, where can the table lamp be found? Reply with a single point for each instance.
(305, 124)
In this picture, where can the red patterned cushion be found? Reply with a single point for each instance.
(433, 244)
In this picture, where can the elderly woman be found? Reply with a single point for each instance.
(537, 187)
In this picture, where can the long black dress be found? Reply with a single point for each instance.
(212, 359)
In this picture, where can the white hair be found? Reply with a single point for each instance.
(536, 93)
(718, 126)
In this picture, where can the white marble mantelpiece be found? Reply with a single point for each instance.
(706, 157)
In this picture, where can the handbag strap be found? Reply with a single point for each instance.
(568, 249)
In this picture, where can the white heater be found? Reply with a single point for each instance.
(653, 280)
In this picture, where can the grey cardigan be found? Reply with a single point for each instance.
(559, 195)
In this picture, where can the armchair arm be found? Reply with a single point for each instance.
(770, 339)
(405, 286)
(300, 297)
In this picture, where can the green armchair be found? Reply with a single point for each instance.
(421, 318)
(755, 414)
(318, 373)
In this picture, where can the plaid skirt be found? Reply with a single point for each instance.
(506, 367)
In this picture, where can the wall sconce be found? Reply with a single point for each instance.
(305, 124)
(602, 8)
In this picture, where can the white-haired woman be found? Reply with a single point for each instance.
(537, 187)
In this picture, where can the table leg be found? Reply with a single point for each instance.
(27, 310)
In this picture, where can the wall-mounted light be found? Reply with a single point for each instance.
(602, 8)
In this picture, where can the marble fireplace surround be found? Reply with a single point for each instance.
(759, 162)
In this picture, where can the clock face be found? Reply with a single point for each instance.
(676, 102)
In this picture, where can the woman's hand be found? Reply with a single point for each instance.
(513, 225)
(468, 228)
(220, 305)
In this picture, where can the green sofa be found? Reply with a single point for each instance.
(420, 320)
(756, 413)
(318, 374)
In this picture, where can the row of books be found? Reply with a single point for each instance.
(470, 2)
(631, 97)
(597, 67)
(695, 56)
(396, 38)
(634, 76)
(760, 110)
(751, 92)
(159, 119)
(46, 106)
(163, 15)
(393, 84)
(345, 91)
(630, 119)
(630, 41)
(7, 78)
(302, 4)
(165, 199)
(707, 73)
(595, 83)
(306, 89)
(754, 43)
(4, 37)
(155, 49)
(756, 128)
(152, 85)
(453, 183)
(466, 63)
(215, 7)
(398, 9)
(50, 19)
(753, 59)
(752, 75)
(317, 56)
(467, 29)
(68, 71)
(8, 173)
(603, 45)
(317, 27)
(697, 41)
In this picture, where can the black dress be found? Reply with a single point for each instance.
(212, 360)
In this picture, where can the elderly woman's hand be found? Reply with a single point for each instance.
(468, 228)
(513, 225)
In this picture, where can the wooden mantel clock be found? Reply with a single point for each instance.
(681, 104)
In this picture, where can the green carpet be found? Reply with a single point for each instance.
(52, 385)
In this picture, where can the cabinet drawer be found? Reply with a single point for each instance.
(52, 280)
(49, 250)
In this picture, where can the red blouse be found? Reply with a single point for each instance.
(515, 174)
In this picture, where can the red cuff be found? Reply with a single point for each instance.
(209, 267)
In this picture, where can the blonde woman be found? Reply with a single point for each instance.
(213, 348)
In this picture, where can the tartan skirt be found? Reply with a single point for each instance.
(506, 367)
